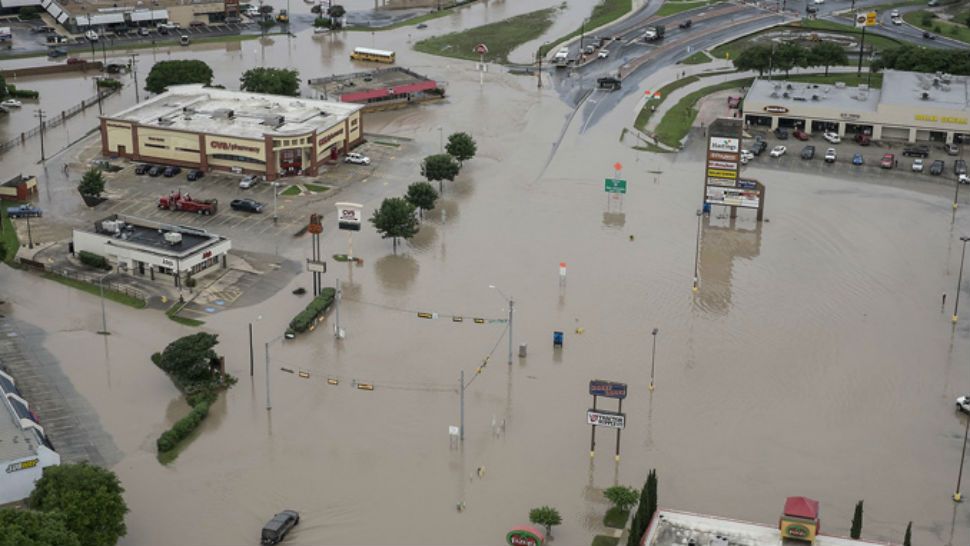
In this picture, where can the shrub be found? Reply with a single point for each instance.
(190, 281)
(109, 83)
(22, 93)
(314, 309)
(926, 18)
(183, 427)
(93, 260)
(28, 13)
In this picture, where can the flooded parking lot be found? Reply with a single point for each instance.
(815, 359)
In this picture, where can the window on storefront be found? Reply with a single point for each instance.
(159, 146)
(230, 157)
(190, 150)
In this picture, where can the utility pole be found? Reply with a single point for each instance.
(862, 44)
(40, 116)
(336, 301)
(653, 356)
(956, 496)
(539, 73)
(697, 252)
(461, 390)
(104, 320)
(268, 406)
(956, 304)
(30, 238)
(134, 70)
(251, 349)
(511, 305)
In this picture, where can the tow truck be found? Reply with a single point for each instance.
(184, 202)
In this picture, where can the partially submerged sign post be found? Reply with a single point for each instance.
(604, 418)
(723, 184)
(349, 218)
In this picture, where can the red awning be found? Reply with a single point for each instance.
(801, 507)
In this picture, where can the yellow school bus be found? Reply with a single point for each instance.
(373, 55)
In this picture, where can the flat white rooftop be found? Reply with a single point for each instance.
(672, 528)
(238, 114)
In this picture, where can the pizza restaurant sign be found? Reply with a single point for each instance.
(525, 536)
(232, 147)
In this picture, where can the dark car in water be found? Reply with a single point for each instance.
(759, 145)
(808, 152)
(781, 134)
(959, 167)
(142, 168)
(936, 169)
(194, 174)
(276, 529)
(246, 205)
(171, 171)
(156, 170)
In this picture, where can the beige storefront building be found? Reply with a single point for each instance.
(214, 129)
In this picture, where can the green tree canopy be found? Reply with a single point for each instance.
(439, 167)
(827, 54)
(422, 195)
(395, 218)
(756, 57)
(92, 183)
(187, 358)
(645, 509)
(34, 528)
(461, 146)
(546, 516)
(166, 73)
(856, 530)
(789, 55)
(274, 81)
(336, 13)
(88, 497)
(3, 88)
(621, 496)
(919, 59)
(908, 537)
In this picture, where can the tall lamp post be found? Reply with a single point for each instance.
(653, 355)
(963, 254)
(251, 359)
(697, 252)
(276, 188)
(956, 193)
(511, 306)
(957, 497)
(104, 320)
(539, 72)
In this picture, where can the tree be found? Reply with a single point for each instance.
(439, 167)
(88, 497)
(336, 13)
(788, 56)
(645, 509)
(756, 57)
(908, 537)
(187, 358)
(422, 195)
(34, 528)
(926, 18)
(92, 183)
(274, 81)
(546, 516)
(395, 218)
(622, 497)
(166, 73)
(856, 531)
(827, 54)
(3, 87)
(321, 22)
(461, 146)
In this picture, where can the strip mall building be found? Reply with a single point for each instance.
(214, 129)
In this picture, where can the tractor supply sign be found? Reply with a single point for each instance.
(609, 419)
(720, 144)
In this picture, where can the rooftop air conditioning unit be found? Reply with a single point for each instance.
(946, 78)
(173, 238)
(925, 96)
(110, 226)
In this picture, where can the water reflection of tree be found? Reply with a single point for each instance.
(445, 210)
(723, 241)
(425, 239)
(396, 272)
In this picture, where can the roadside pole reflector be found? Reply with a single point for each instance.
(304, 374)
(333, 381)
(456, 319)
(479, 321)
(425, 315)
(365, 386)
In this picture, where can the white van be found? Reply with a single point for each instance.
(184, 39)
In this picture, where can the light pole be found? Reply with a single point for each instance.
(653, 355)
(276, 187)
(956, 193)
(268, 405)
(104, 321)
(963, 254)
(441, 140)
(956, 496)
(697, 252)
(251, 360)
(539, 73)
(511, 306)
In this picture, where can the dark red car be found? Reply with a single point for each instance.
(74, 60)
(800, 135)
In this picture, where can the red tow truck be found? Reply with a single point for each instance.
(184, 202)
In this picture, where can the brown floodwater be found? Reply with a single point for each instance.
(815, 359)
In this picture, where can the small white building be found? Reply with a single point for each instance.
(24, 448)
(142, 247)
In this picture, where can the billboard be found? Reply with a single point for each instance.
(723, 144)
(609, 389)
(609, 419)
(734, 197)
(349, 216)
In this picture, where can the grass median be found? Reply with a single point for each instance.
(732, 49)
(603, 13)
(501, 37)
(948, 29)
(644, 116)
(8, 237)
(91, 288)
(673, 8)
(697, 58)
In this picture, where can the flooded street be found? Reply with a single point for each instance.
(815, 359)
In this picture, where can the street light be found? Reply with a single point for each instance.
(956, 496)
(963, 254)
(956, 193)
(276, 187)
(104, 321)
(697, 252)
(258, 318)
(653, 355)
(511, 305)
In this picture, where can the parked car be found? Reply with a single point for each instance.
(863, 139)
(894, 13)
(917, 165)
(142, 168)
(144, 31)
(888, 161)
(936, 169)
(963, 179)
(963, 403)
(246, 205)
(830, 155)
(800, 135)
(75, 60)
(56, 52)
(357, 159)
(758, 146)
(194, 174)
(276, 529)
(778, 151)
(162, 30)
(184, 40)
(857, 159)
(91, 36)
(928, 36)
(746, 156)
(249, 181)
(808, 152)
(951, 149)
(42, 29)
(11, 103)
(834, 138)
(321, 30)
(24, 211)
(781, 134)
(197, 24)
(421, 26)
(588, 50)
(897, 20)
(959, 167)
(171, 171)
(604, 53)
(156, 170)
(920, 150)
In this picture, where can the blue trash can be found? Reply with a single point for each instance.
(557, 338)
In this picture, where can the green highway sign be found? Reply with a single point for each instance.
(615, 185)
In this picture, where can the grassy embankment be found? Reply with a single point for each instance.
(949, 29)
(700, 57)
(731, 49)
(604, 12)
(501, 37)
(672, 8)
(8, 236)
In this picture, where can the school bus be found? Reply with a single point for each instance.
(373, 55)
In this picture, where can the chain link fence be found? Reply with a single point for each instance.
(95, 280)
(57, 120)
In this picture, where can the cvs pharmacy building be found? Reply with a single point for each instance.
(214, 129)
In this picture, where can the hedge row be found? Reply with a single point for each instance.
(183, 427)
(93, 260)
(22, 93)
(108, 83)
(314, 309)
